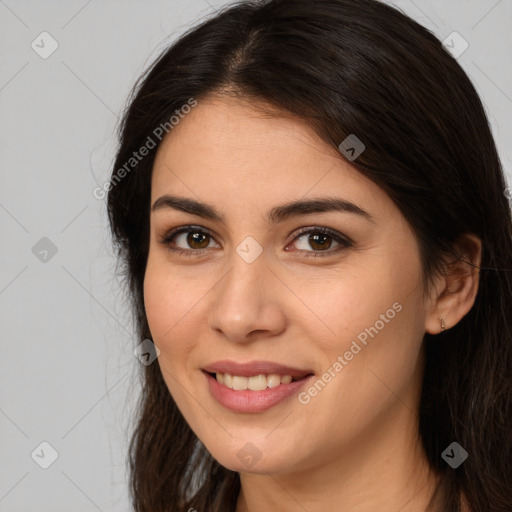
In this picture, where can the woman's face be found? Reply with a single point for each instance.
(249, 287)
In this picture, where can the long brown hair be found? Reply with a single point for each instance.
(347, 67)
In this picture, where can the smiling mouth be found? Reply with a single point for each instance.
(258, 382)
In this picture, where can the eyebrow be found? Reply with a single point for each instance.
(274, 216)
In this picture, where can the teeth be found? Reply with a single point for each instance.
(239, 383)
(255, 383)
(286, 379)
(273, 380)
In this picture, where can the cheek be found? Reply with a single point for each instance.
(370, 345)
(166, 306)
(174, 304)
(344, 303)
(371, 315)
(166, 311)
(158, 301)
(168, 298)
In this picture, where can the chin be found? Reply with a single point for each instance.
(245, 457)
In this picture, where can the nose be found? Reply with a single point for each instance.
(247, 302)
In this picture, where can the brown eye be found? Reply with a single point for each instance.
(320, 240)
(199, 238)
(188, 240)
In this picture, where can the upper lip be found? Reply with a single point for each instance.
(255, 368)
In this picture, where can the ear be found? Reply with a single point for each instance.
(454, 293)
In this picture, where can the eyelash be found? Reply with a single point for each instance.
(345, 242)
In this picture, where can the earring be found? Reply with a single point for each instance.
(442, 324)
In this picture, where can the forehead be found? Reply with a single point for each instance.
(230, 149)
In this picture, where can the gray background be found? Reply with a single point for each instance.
(68, 369)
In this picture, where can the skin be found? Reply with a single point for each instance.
(355, 443)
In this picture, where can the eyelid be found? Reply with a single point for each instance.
(336, 235)
(172, 233)
(343, 240)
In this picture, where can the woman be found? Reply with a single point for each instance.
(310, 209)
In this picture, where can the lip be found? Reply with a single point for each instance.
(253, 401)
(255, 368)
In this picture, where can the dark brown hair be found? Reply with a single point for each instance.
(346, 67)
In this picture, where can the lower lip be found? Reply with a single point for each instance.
(252, 401)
